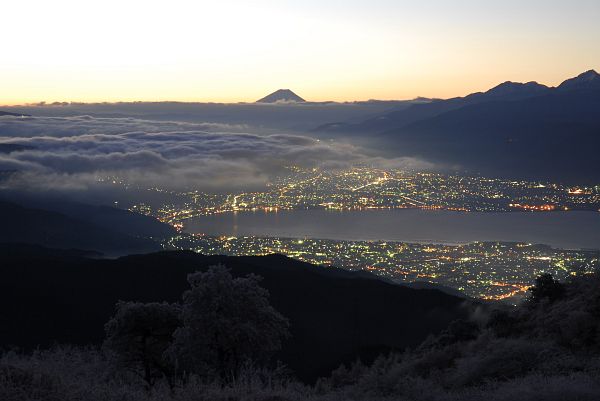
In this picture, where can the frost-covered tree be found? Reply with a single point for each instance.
(138, 335)
(226, 322)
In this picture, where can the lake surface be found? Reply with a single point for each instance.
(570, 230)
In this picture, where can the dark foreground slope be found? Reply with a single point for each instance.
(51, 297)
(547, 348)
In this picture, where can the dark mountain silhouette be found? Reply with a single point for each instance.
(51, 296)
(585, 81)
(52, 229)
(513, 130)
(397, 118)
(552, 136)
(281, 95)
(6, 113)
(512, 91)
(119, 220)
(111, 218)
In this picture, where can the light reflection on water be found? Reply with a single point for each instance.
(571, 230)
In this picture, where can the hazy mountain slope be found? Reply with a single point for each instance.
(506, 91)
(7, 113)
(122, 221)
(52, 229)
(551, 136)
(119, 220)
(49, 297)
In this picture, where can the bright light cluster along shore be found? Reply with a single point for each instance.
(488, 270)
(363, 188)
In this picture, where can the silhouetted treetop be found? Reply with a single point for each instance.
(225, 323)
(138, 335)
(546, 287)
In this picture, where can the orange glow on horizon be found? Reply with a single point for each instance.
(162, 92)
(235, 51)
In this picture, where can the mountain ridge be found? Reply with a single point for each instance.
(583, 81)
(506, 91)
(523, 131)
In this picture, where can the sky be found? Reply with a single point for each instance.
(236, 50)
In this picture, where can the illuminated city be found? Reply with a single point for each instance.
(372, 188)
(488, 270)
(300, 200)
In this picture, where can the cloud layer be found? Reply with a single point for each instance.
(73, 152)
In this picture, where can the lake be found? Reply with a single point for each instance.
(570, 230)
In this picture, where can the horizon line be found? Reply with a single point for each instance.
(59, 103)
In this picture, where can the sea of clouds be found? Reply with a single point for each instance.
(74, 152)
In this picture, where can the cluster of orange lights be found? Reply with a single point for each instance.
(515, 289)
(432, 207)
(535, 208)
(457, 209)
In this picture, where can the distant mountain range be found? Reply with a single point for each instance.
(6, 113)
(514, 129)
(416, 112)
(281, 96)
(49, 296)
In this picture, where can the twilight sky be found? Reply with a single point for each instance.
(236, 50)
